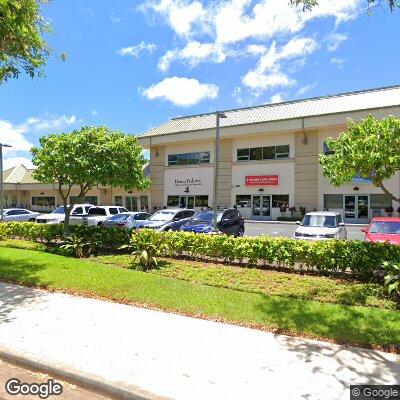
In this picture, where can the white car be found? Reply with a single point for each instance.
(19, 215)
(58, 215)
(127, 220)
(96, 215)
(321, 225)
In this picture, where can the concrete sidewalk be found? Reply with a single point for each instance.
(178, 357)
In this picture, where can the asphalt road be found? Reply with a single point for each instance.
(255, 228)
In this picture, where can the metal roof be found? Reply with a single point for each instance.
(340, 103)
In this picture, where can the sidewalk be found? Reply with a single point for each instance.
(177, 357)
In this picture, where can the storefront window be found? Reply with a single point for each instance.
(201, 201)
(279, 200)
(118, 201)
(144, 202)
(243, 200)
(189, 158)
(333, 201)
(263, 153)
(173, 201)
(44, 201)
(380, 201)
(86, 199)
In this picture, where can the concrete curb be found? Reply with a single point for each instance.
(87, 381)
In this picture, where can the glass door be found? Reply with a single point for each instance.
(190, 202)
(266, 206)
(256, 206)
(131, 203)
(261, 206)
(356, 208)
(350, 208)
(363, 208)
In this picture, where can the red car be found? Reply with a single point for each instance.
(383, 229)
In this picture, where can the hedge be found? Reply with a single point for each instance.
(363, 259)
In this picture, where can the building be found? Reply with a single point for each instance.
(268, 157)
(22, 190)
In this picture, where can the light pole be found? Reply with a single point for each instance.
(216, 166)
(1, 179)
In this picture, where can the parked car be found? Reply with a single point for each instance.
(58, 215)
(19, 215)
(229, 222)
(170, 219)
(321, 225)
(383, 229)
(128, 220)
(96, 215)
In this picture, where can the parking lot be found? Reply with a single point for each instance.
(256, 228)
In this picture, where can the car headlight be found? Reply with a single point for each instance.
(328, 235)
(297, 234)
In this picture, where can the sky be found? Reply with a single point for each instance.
(133, 65)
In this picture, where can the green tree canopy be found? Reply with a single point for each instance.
(309, 4)
(22, 47)
(370, 148)
(89, 157)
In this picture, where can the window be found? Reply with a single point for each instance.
(118, 200)
(279, 200)
(333, 201)
(113, 210)
(78, 210)
(97, 211)
(187, 214)
(201, 201)
(380, 201)
(86, 199)
(173, 201)
(263, 153)
(243, 200)
(189, 158)
(43, 201)
(326, 150)
(144, 201)
(122, 210)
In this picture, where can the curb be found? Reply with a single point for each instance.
(87, 381)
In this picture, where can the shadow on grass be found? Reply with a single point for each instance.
(13, 297)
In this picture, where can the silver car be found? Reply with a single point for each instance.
(128, 220)
(19, 215)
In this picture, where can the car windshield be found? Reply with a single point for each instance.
(319, 221)
(59, 210)
(120, 217)
(206, 216)
(162, 216)
(385, 227)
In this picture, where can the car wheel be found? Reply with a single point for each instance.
(31, 220)
(99, 224)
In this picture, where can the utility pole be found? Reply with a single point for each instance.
(216, 166)
(1, 181)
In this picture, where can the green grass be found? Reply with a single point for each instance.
(253, 280)
(350, 324)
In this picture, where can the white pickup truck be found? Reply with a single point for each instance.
(97, 215)
(58, 215)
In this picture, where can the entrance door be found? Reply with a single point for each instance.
(186, 202)
(356, 208)
(261, 206)
(131, 203)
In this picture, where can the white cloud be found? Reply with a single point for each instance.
(181, 15)
(48, 122)
(181, 92)
(268, 73)
(304, 89)
(193, 53)
(14, 136)
(335, 40)
(337, 61)
(14, 161)
(135, 51)
(256, 49)
(277, 98)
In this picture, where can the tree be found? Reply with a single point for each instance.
(22, 46)
(370, 148)
(309, 4)
(86, 158)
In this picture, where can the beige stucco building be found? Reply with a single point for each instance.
(22, 190)
(268, 157)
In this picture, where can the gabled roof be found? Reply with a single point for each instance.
(340, 103)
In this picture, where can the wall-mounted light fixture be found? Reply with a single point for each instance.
(356, 188)
(41, 193)
(261, 190)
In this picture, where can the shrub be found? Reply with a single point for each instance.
(392, 277)
(81, 247)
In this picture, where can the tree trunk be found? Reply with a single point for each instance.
(392, 196)
(67, 215)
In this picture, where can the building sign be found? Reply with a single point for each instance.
(262, 180)
(188, 182)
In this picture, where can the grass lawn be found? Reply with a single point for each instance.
(349, 324)
(268, 282)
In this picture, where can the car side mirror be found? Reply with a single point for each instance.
(298, 222)
(342, 224)
(364, 230)
(176, 219)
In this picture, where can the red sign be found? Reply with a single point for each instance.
(262, 180)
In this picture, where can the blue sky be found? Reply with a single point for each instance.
(133, 65)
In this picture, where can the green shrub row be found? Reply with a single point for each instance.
(363, 259)
(101, 238)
